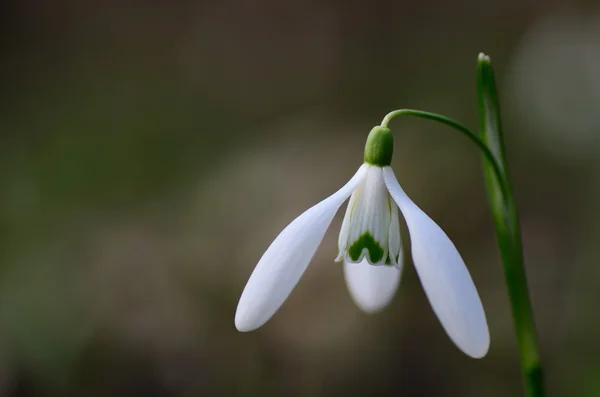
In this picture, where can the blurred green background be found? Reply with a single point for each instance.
(150, 151)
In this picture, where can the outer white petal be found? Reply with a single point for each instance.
(444, 276)
(286, 259)
(371, 287)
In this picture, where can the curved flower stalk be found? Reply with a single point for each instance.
(370, 247)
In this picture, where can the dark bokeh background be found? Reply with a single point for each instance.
(151, 150)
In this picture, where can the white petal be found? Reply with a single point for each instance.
(394, 236)
(444, 276)
(369, 220)
(286, 259)
(371, 287)
(345, 230)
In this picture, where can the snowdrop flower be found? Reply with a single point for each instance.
(370, 247)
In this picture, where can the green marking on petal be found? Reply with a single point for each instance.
(367, 241)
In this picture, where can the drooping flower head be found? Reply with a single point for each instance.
(370, 247)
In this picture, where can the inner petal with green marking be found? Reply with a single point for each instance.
(366, 245)
(371, 228)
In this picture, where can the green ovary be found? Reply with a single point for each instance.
(367, 241)
(379, 147)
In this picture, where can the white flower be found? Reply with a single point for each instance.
(369, 245)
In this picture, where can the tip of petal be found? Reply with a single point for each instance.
(243, 323)
(478, 349)
(241, 327)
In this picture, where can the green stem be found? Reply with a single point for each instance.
(456, 125)
(506, 223)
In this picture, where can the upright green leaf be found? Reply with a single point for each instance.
(506, 223)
